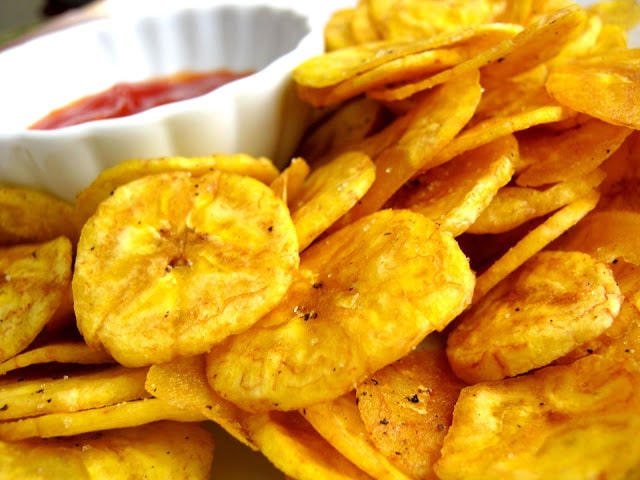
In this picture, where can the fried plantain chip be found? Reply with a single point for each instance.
(514, 206)
(553, 303)
(569, 154)
(337, 31)
(366, 296)
(171, 264)
(622, 340)
(455, 194)
(608, 235)
(624, 13)
(575, 421)
(31, 216)
(362, 27)
(58, 352)
(416, 19)
(407, 408)
(536, 44)
(533, 242)
(493, 128)
(296, 449)
(120, 415)
(329, 192)
(155, 451)
(289, 183)
(340, 423)
(75, 391)
(183, 383)
(434, 122)
(349, 123)
(35, 283)
(417, 65)
(88, 199)
(603, 86)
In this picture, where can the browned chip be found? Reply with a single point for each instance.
(553, 303)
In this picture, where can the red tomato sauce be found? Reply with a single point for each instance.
(128, 98)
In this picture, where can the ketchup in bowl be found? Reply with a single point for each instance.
(125, 99)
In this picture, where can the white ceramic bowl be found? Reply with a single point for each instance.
(259, 114)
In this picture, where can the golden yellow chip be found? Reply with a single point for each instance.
(604, 86)
(455, 194)
(76, 352)
(624, 13)
(329, 192)
(569, 154)
(418, 65)
(575, 421)
(73, 392)
(171, 264)
(340, 423)
(435, 121)
(289, 183)
(297, 450)
(415, 19)
(155, 452)
(183, 383)
(108, 180)
(31, 216)
(35, 283)
(621, 341)
(337, 31)
(607, 235)
(553, 303)
(120, 415)
(537, 43)
(347, 124)
(407, 408)
(533, 242)
(368, 294)
(363, 29)
(490, 129)
(331, 68)
(515, 206)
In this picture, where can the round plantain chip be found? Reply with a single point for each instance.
(156, 451)
(555, 302)
(171, 264)
(366, 296)
(34, 283)
(108, 180)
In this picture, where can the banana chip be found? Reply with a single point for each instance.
(34, 286)
(183, 383)
(340, 423)
(533, 242)
(297, 450)
(605, 87)
(76, 352)
(120, 415)
(575, 421)
(366, 296)
(155, 451)
(456, 195)
(407, 408)
(555, 302)
(31, 216)
(514, 206)
(568, 154)
(108, 180)
(171, 264)
(71, 393)
(329, 193)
